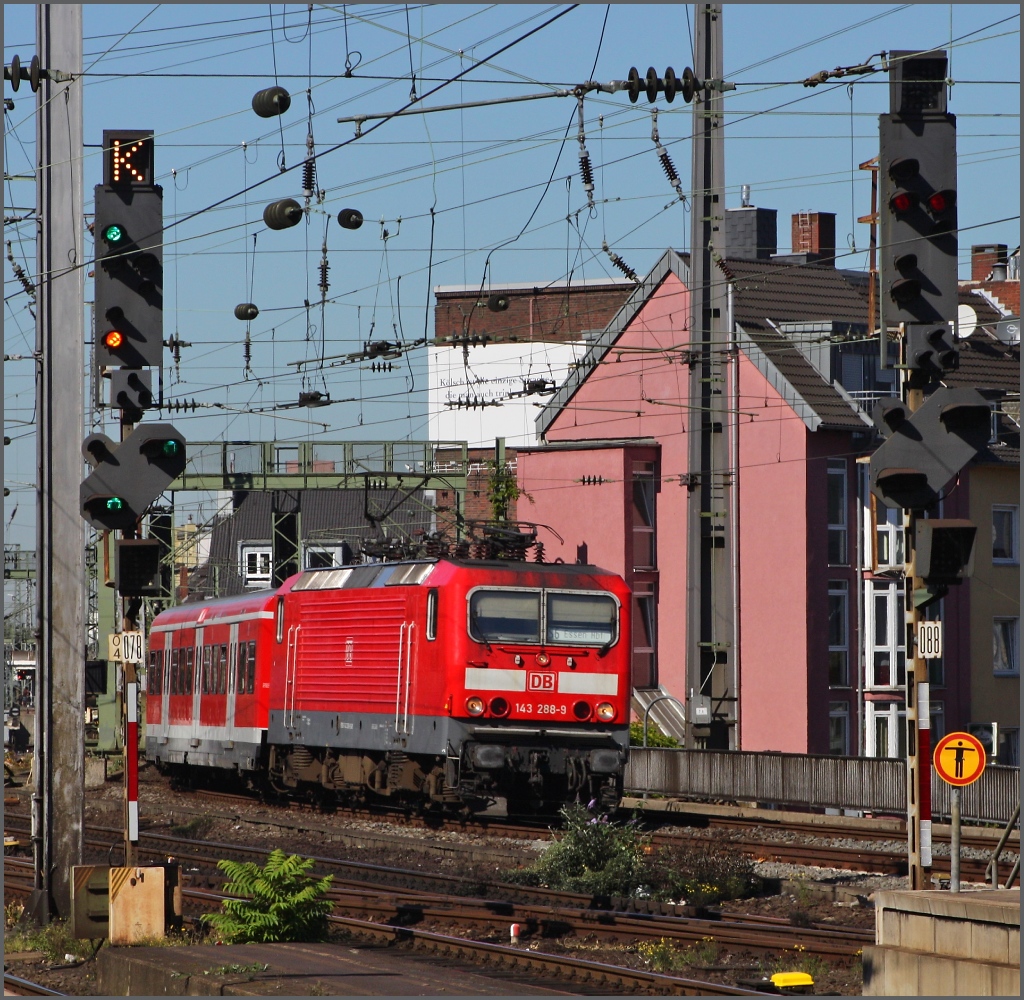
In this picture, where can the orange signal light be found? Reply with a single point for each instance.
(113, 340)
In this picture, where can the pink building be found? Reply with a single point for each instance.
(819, 635)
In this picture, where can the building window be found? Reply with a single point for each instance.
(1005, 647)
(838, 633)
(1005, 530)
(1009, 747)
(888, 528)
(886, 656)
(886, 730)
(325, 556)
(255, 564)
(645, 668)
(839, 728)
(644, 546)
(836, 503)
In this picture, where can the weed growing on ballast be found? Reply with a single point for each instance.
(280, 901)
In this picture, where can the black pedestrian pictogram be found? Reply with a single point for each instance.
(958, 759)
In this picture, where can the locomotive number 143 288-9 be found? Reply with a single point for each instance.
(528, 706)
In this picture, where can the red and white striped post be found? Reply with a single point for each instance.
(924, 770)
(131, 771)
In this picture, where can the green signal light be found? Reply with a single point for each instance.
(113, 234)
(170, 448)
(114, 504)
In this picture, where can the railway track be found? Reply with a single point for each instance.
(860, 859)
(543, 913)
(18, 987)
(488, 954)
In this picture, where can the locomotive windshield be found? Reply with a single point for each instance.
(587, 619)
(563, 617)
(505, 616)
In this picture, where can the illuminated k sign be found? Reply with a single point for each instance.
(128, 158)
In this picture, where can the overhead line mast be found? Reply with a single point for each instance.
(711, 653)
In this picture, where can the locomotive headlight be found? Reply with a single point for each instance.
(475, 705)
(499, 707)
(543, 659)
(605, 711)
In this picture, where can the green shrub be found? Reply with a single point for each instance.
(655, 737)
(592, 855)
(698, 871)
(280, 901)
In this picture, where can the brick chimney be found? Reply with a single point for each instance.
(985, 258)
(815, 233)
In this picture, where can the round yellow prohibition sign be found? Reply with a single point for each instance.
(959, 759)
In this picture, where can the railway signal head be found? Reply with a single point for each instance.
(129, 476)
(129, 255)
(918, 220)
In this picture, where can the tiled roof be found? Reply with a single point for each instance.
(785, 293)
(986, 363)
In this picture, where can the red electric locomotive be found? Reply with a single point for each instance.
(443, 681)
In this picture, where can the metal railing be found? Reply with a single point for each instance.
(868, 784)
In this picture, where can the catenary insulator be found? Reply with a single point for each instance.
(324, 284)
(308, 178)
(282, 214)
(618, 262)
(246, 311)
(669, 167)
(350, 218)
(498, 303)
(271, 102)
(586, 171)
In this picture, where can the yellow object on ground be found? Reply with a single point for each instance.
(787, 980)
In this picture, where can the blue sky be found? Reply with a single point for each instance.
(496, 177)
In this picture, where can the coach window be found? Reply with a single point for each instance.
(432, 614)
(207, 667)
(222, 670)
(240, 669)
(175, 657)
(280, 619)
(190, 664)
(504, 616)
(250, 670)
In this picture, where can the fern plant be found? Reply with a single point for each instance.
(279, 901)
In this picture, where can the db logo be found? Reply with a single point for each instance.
(540, 682)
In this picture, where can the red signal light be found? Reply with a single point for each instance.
(902, 201)
(942, 201)
(113, 340)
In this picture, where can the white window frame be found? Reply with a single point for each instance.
(896, 717)
(1014, 511)
(887, 523)
(895, 632)
(336, 550)
(1013, 652)
(255, 581)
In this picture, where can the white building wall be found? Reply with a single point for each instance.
(489, 374)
